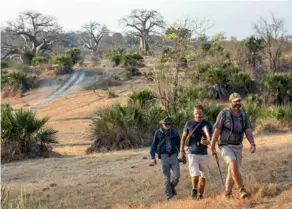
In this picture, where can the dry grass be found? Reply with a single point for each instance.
(125, 180)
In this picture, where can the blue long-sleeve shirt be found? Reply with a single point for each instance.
(159, 134)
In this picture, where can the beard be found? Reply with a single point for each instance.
(236, 106)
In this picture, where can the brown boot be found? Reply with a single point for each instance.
(228, 195)
(243, 193)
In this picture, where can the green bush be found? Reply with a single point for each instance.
(14, 81)
(133, 60)
(277, 88)
(127, 74)
(143, 97)
(280, 113)
(116, 56)
(22, 133)
(38, 60)
(4, 64)
(63, 60)
(27, 57)
(74, 53)
(191, 93)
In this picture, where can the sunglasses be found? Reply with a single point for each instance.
(167, 124)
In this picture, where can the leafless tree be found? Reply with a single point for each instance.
(144, 23)
(39, 32)
(273, 35)
(93, 34)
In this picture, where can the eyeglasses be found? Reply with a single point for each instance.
(167, 124)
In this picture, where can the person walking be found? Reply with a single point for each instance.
(231, 125)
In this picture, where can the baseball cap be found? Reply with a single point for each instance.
(234, 96)
(166, 120)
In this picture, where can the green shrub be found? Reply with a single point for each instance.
(38, 60)
(133, 60)
(74, 53)
(116, 56)
(22, 133)
(277, 88)
(4, 64)
(133, 70)
(127, 74)
(27, 57)
(63, 60)
(14, 81)
(280, 113)
(143, 97)
(191, 93)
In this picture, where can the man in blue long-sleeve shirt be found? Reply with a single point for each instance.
(166, 143)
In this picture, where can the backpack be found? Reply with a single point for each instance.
(160, 134)
(229, 135)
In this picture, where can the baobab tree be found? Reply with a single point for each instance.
(92, 36)
(39, 32)
(143, 23)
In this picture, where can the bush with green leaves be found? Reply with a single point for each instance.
(14, 81)
(281, 113)
(62, 60)
(190, 93)
(127, 74)
(38, 60)
(116, 56)
(74, 53)
(24, 134)
(277, 88)
(143, 97)
(135, 60)
(4, 64)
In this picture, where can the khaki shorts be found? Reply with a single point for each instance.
(199, 165)
(232, 152)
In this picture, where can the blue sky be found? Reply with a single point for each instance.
(233, 18)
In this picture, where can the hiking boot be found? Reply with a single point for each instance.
(200, 197)
(173, 190)
(194, 194)
(228, 195)
(243, 193)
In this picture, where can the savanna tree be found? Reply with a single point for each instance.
(93, 33)
(143, 23)
(272, 32)
(38, 32)
(179, 43)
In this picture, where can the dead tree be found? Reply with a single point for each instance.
(273, 35)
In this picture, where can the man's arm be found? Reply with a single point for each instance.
(182, 144)
(214, 140)
(249, 136)
(154, 146)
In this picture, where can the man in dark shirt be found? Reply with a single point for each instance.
(166, 143)
(196, 130)
(231, 124)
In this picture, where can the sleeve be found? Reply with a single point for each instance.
(219, 121)
(210, 128)
(247, 122)
(186, 128)
(178, 140)
(154, 145)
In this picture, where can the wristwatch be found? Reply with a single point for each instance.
(253, 144)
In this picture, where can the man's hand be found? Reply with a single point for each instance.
(213, 150)
(153, 162)
(252, 148)
(181, 155)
